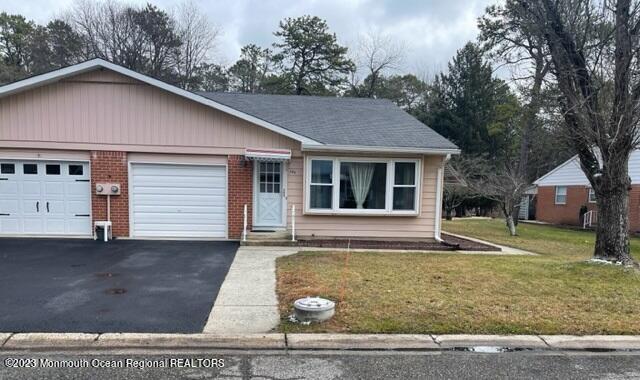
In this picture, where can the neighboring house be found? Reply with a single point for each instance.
(188, 163)
(565, 190)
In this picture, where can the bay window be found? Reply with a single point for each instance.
(362, 186)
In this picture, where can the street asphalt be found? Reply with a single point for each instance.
(81, 285)
(330, 365)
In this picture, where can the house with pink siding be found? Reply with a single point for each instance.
(178, 164)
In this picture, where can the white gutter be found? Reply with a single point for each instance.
(437, 229)
(377, 149)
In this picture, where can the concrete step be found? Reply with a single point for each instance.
(269, 243)
(269, 235)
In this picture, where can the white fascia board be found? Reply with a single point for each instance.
(377, 149)
(87, 66)
(537, 181)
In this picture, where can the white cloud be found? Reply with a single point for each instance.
(432, 30)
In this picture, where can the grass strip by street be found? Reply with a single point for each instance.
(413, 293)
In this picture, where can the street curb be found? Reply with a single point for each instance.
(277, 341)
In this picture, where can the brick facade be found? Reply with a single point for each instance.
(111, 167)
(240, 177)
(569, 213)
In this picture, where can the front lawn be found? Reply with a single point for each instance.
(554, 293)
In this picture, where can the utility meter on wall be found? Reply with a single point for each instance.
(108, 189)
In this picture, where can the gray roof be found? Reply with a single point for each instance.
(337, 121)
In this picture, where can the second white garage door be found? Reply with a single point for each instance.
(178, 201)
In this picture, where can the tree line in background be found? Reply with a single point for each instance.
(571, 64)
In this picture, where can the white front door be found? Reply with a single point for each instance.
(45, 198)
(270, 194)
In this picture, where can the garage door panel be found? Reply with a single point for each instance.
(9, 225)
(181, 209)
(54, 188)
(178, 200)
(31, 188)
(168, 190)
(179, 170)
(8, 188)
(8, 206)
(77, 207)
(77, 189)
(181, 218)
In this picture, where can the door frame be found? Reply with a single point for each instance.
(19, 157)
(283, 191)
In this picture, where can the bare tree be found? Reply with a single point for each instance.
(502, 184)
(595, 59)
(506, 33)
(376, 55)
(459, 171)
(198, 36)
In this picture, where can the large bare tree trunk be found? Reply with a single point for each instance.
(612, 237)
(612, 229)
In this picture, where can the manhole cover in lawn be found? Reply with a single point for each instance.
(116, 291)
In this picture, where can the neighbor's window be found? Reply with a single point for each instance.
(321, 192)
(360, 185)
(592, 196)
(561, 195)
(404, 186)
(363, 185)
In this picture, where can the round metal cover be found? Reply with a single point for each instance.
(314, 304)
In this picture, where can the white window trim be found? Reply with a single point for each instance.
(390, 184)
(556, 195)
(591, 191)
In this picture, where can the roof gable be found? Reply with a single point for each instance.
(85, 67)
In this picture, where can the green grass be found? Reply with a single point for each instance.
(556, 292)
(560, 243)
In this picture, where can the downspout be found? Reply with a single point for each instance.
(439, 188)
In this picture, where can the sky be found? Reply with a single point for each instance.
(430, 30)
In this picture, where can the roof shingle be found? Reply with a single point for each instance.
(337, 121)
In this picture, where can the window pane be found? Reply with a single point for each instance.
(263, 188)
(321, 171)
(30, 169)
(320, 196)
(276, 188)
(405, 173)
(403, 198)
(363, 185)
(8, 168)
(53, 169)
(76, 170)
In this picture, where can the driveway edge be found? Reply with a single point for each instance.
(277, 341)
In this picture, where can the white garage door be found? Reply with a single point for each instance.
(178, 201)
(45, 198)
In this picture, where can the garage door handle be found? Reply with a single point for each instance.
(38, 206)
(2, 214)
(87, 215)
(47, 206)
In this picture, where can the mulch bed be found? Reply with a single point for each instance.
(451, 243)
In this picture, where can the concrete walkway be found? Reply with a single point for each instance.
(505, 250)
(247, 301)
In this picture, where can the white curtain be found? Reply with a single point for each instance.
(360, 176)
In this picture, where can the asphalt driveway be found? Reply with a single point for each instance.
(70, 285)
